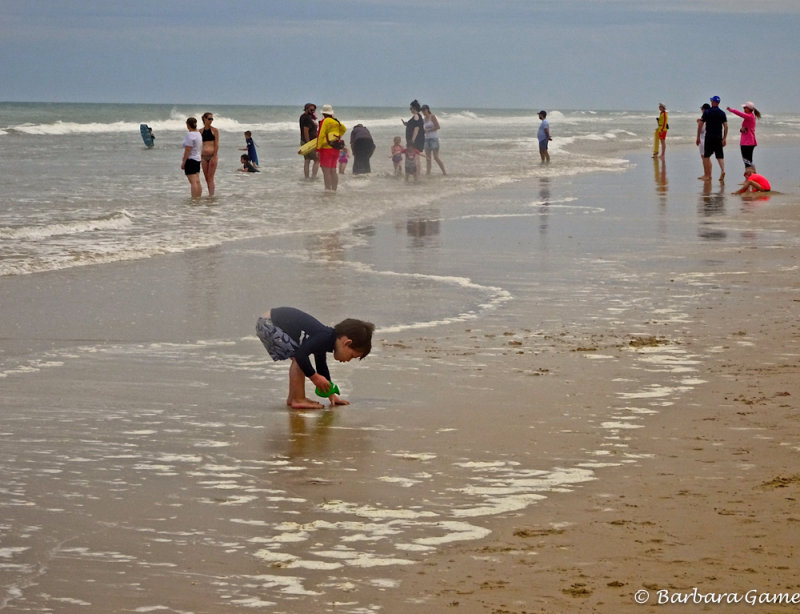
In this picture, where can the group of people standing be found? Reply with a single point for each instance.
(422, 138)
(712, 137)
(329, 151)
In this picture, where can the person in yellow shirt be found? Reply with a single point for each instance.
(330, 140)
(660, 135)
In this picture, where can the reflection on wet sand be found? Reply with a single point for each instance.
(423, 228)
(660, 176)
(544, 209)
(711, 205)
(309, 434)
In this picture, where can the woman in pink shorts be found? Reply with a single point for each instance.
(331, 130)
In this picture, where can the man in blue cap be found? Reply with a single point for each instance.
(716, 123)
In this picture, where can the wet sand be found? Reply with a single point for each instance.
(708, 512)
(579, 389)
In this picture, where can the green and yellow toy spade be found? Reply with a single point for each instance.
(334, 389)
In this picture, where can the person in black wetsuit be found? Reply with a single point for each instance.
(288, 332)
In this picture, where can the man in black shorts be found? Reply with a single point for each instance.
(716, 123)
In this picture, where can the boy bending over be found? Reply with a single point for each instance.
(287, 332)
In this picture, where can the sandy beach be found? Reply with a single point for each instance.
(706, 520)
(580, 389)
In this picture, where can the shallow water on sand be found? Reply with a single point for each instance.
(524, 335)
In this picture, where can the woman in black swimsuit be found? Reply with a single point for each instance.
(210, 148)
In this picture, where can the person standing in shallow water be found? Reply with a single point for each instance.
(660, 136)
(308, 132)
(363, 147)
(210, 136)
(415, 130)
(192, 146)
(250, 148)
(747, 142)
(716, 125)
(330, 138)
(543, 135)
(701, 130)
(430, 125)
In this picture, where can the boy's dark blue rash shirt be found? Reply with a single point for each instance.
(313, 337)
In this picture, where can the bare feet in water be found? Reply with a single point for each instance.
(304, 403)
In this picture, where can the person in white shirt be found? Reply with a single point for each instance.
(192, 148)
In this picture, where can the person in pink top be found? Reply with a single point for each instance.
(753, 182)
(747, 142)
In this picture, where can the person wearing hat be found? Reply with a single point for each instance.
(544, 137)
(330, 140)
(747, 142)
(716, 137)
(661, 131)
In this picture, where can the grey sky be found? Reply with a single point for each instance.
(558, 54)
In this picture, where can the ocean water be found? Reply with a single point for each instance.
(151, 466)
(79, 187)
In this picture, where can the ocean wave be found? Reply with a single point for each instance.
(61, 128)
(112, 221)
(175, 121)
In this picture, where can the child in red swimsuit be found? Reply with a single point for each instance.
(753, 182)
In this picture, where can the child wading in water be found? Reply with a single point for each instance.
(287, 332)
(247, 165)
(343, 159)
(397, 156)
(251, 148)
(412, 161)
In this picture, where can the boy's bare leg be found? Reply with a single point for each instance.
(706, 169)
(297, 389)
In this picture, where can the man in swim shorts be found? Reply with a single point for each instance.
(716, 124)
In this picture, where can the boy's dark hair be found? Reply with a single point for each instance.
(359, 332)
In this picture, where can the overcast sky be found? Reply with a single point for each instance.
(471, 54)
